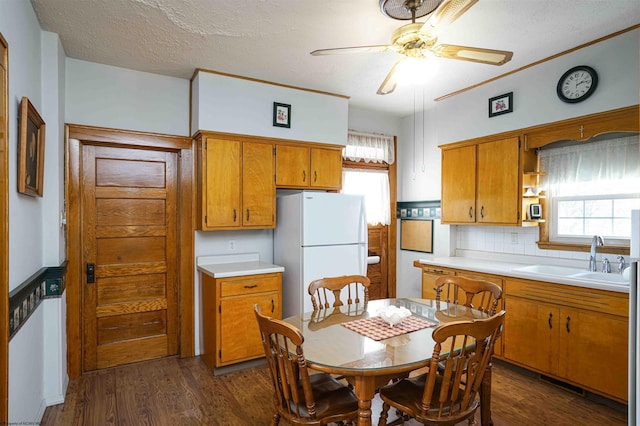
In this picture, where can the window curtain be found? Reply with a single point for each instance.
(374, 185)
(372, 148)
(601, 161)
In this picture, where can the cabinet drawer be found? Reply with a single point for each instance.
(246, 285)
(577, 297)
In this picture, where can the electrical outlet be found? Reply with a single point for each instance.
(514, 238)
(232, 244)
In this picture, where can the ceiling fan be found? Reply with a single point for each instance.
(415, 39)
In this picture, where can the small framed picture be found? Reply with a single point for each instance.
(281, 115)
(30, 150)
(501, 104)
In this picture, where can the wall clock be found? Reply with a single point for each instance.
(577, 84)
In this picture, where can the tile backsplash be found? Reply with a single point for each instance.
(510, 240)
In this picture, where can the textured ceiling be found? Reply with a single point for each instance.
(271, 39)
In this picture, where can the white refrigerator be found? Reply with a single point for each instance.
(317, 235)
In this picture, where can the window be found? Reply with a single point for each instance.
(374, 185)
(371, 181)
(592, 188)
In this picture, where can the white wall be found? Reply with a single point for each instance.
(535, 102)
(236, 105)
(36, 70)
(118, 98)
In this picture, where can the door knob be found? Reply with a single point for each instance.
(91, 273)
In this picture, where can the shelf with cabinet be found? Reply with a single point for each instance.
(532, 194)
(480, 182)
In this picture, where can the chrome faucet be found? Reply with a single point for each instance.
(606, 266)
(595, 241)
(621, 265)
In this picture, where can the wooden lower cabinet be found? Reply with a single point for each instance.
(229, 327)
(575, 334)
(429, 276)
(578, 335)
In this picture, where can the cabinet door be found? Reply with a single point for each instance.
(497, 183)
(593, 350)
(326, 168)
(459, 185)
(258, 190)
(239, 335)
(531, 334)
(292, 166)
(222, 183)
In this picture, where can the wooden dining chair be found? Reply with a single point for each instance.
(326, 292)
(301, 398)
(481, 295)
(447, 396)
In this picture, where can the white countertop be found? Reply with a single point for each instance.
(235, 265)
(505, 268)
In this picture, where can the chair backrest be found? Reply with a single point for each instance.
(326, 292)
(288, 372)
(463, 351)
(477, 294)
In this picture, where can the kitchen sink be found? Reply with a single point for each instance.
(562, 271)
(599, 276)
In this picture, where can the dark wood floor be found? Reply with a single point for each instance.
(176, 391)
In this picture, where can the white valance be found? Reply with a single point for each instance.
(370, 147)
(605, 160)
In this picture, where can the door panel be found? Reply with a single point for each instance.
(377, 272)
(129, 233)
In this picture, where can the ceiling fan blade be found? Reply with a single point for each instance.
(355, 49)
(389, 83)
(446, 13)
(473, 54)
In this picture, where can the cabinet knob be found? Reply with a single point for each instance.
(304, 176)
(315, 176)
(273, 306)
(550, 316)
(567, 324)
(234, 215)
(247, 215)
(470, 212)
(482, 212)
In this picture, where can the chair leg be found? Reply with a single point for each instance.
(384, 414)
(275, 419)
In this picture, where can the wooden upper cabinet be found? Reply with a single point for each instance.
(300, 166)
(459, 185)
(497, 184)
(292, 166)
(480, 183)
(236, 187)
(583, 128)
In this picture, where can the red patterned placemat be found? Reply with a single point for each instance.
(375, 328)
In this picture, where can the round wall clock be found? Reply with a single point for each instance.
(577, 84)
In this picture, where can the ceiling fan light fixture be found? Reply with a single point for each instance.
(415, 71)
(402, 9)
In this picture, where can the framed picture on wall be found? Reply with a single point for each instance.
(281, 115)
(30, 150)
(502, 104)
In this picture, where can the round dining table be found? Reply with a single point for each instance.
(334, 343)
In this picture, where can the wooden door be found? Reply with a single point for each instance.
(223, 180)
(377, 272)
(258, 190)
(531, 334)
(292, 166)
(594, 350)
(129, 227)
(497, 183)
(326, 168)
(459, 185)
